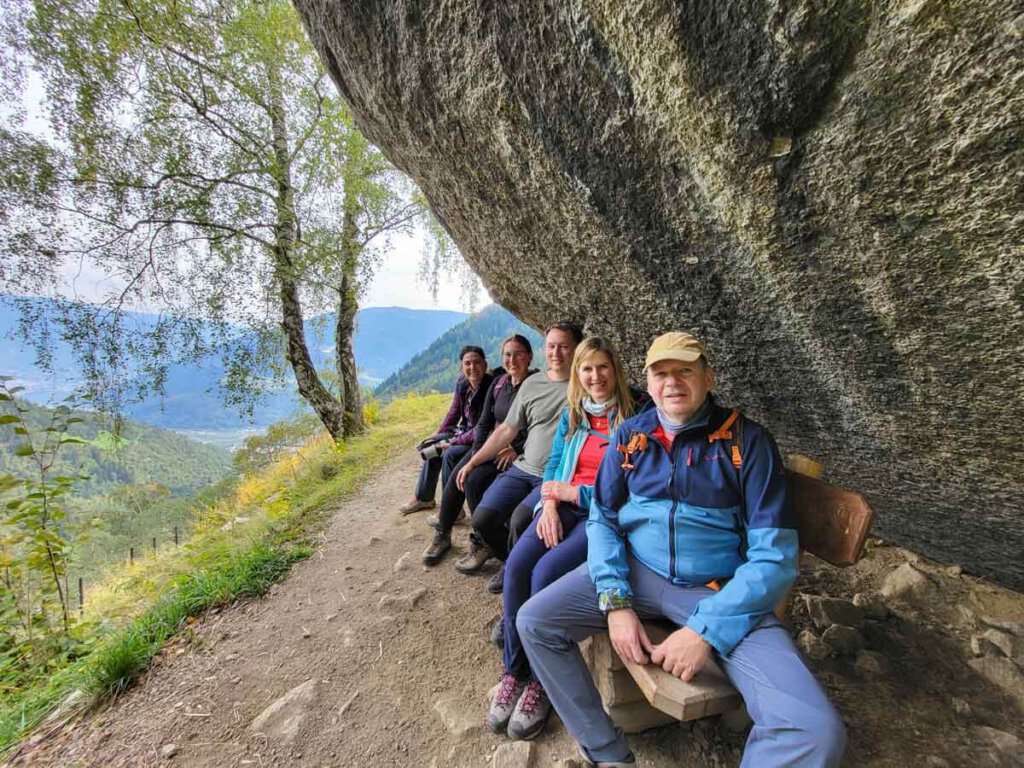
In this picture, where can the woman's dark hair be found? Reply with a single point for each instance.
(519, 339)
(472, 348)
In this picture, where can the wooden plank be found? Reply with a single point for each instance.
(833, 523)
(708, 693)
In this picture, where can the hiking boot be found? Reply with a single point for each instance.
(629, 762)
(474, 560)
(497, 581)
(498, 632)
(435, 553)
(434, 521)
(415, 506)
(531, 712)
(504, 702)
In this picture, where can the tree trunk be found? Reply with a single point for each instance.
(329, 409)
(344, 329)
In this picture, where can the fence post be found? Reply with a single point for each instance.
(154, 543)
(175, 535)
(81, 597)
(131, 555)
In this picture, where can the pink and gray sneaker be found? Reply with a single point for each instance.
(530, 713)
(504, 702)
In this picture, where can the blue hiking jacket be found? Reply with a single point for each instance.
(691, 516)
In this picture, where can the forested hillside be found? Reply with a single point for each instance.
(385, 338)
(130, 454)
(437, 367)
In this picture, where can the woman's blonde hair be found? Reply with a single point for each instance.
(623, 398)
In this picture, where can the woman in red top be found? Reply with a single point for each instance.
(556, 541)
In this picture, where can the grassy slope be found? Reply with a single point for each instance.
(134, 613)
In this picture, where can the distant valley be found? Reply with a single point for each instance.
(386, 337)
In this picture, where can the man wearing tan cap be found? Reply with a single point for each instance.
(689, 522)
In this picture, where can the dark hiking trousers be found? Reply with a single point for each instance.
(452, 499)
(490, 518)
(426, 486)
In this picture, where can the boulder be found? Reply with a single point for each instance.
(872, 607)
(812, 646)
(281, 720)
(825, 192)
(1001, 672)
(513, 754)
(872, 663)
(826, 611)
(459, 716)
(905, 583)
(842, 640)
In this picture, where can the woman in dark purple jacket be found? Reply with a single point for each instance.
(453, 439)
(517, 354)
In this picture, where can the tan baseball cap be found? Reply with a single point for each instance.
(674, 345)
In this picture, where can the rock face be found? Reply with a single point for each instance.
(828, 193)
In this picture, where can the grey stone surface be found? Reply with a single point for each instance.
(1007, 748)
(826, 611)
(872, 663)
(513, 754)
(459, 715)
(905, 583)
(872, 607)
(812, 646)
(1001, 672)
(827, 193)
(842, 640)
(167, 751)
(280, 721)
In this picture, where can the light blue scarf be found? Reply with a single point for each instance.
(672, 428)
(598, 409)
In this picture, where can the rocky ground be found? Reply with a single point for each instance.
(365, 657)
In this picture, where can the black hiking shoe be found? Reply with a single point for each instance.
(438, 548)
(496, 583)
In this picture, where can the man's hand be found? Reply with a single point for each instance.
(628, 637)
(549, 525)
(505, 458)
(682, 654)
(561, 491)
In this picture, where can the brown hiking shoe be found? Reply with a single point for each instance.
(474, 560)
(415, 506)
(438, 548)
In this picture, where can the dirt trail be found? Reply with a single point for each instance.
(397, 663)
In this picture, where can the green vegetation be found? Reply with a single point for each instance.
(113, 454)
(240, 545)
(198, 154)
(436, 368)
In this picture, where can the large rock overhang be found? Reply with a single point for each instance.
(829, 194)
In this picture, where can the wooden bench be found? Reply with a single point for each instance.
(833, 525)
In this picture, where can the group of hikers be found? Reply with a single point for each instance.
(608, 506)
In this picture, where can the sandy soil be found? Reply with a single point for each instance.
(397, 663)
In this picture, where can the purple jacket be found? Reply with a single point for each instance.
(465, 410)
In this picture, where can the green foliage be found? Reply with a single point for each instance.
(36, 539)
(437, 367)
(115, 454)
(288, 502)
(280, 437)
(208, 168)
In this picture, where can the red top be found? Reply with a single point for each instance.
(592, 453)
(665, 440)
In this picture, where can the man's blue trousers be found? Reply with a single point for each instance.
(794, 722)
